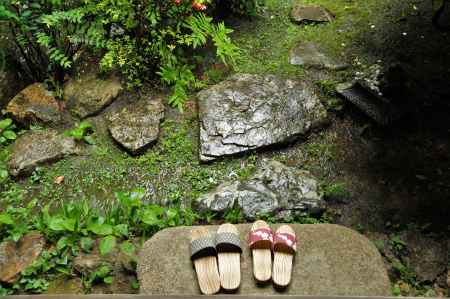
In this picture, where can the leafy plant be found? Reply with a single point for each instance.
(4, 174)
(83, 132)
(7, 133)
(398, 245)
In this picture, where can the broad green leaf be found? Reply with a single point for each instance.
(10, 135)
(3, 174)
(86, 244)
(62, 243)
(100, 229)
(128, 248)
(89, 140)
(84, 125)
(5, 123)
(121, 230)
(150, 217)
(108, 280)
(61, 223)
(102, 272)
(107, 245)
(6, 219)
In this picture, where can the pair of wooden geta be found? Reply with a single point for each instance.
(225, 270)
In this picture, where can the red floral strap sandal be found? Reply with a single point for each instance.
(260, 241)
(284, 248)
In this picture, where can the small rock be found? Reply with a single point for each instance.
(274, 189)
(310, 13)
(34, 104)
(308, 54)
(250, 111)
(86, 264)
(16, 257)
(39, 147)
(137, 125)
(89, 95)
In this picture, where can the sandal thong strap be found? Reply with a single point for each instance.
(285, 242)
(260, 238)
(228, 242)
(203, 247)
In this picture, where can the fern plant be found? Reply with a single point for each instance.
(45, 34)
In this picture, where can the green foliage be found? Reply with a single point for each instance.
(234, 215)
(397, 244)
(102, 274)
(43, 32)
(83, 132)
(7, 133)
(4, 174)
(336, 191)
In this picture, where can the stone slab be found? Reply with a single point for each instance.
(331, 261)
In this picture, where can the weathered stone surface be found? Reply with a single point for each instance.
(309, 55)
(85, 264)
(274, 189)
(310, 13)
(331, 260)
(65, 285)
(427, 257)
(16, 257)
(10, 85)
(250, 111)
(89, 95)
(136, 126)
(34, 104)
(39, 147)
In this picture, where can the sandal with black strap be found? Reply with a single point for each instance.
(229, 256)
(203, 255)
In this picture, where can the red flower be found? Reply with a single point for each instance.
(198, 6)
(178, 2)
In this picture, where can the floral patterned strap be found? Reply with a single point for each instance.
(285, 242)
(260, 238)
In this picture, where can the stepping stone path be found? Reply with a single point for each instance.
(275, 190)
(307, 13)
(331, 260)
(89, 95)
(136, 126)
(16, 257)
(34, 104)
(249, 111)
(309, 55)
(39, 147)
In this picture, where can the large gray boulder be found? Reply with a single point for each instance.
(331, 261)
(39, 147)
(274, 189)
(89, 95)
(251, 111)
(137, 125)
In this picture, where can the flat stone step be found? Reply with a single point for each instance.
(331, 261)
